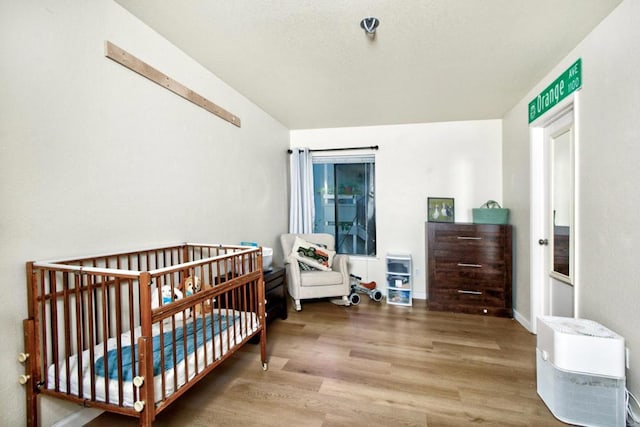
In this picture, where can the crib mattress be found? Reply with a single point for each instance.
(236, 325)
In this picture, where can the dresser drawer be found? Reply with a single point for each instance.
(275, 294)
(477, 296)
(472, 305)
(467, 237)
(273, 279)
(468, 266)
(466, 279)
(465, 256)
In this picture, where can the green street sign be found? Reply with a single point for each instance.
(563, 86)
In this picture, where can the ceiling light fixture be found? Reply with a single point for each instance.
(369, 25)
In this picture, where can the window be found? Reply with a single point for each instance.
(344, 197)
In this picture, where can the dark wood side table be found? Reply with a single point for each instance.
(275, 292)
(275, 289)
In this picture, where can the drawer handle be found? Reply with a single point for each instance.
(469, 238)
(462, 264)
(460, 291)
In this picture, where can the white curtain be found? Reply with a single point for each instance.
(301, 207)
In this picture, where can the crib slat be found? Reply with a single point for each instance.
(78, 329)
(163, 380)
(91, 321)
(53, 308)
(67, 327)
(118, 326)
(175, 356)
(130, 285)
(102, 312)
(44, 321)
(185, 342)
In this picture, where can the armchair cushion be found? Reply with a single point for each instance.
(312, 254)
(320, 278)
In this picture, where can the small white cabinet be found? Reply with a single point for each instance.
(399, 283)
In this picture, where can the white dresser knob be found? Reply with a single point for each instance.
(23, 379)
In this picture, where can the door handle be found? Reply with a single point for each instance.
(543, 242)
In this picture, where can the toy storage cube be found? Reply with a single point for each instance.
(399, 286)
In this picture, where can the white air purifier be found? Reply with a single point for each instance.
(581, 371)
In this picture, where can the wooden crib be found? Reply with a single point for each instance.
(108, 332)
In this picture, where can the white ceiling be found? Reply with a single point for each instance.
(310, 65)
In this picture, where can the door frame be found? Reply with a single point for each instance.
(540, 213)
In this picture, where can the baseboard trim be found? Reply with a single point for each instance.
(80, 418)
(522, 320)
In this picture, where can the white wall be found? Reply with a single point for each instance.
(607, 189)
(94, 157)
(453, 159)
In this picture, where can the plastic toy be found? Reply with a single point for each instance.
(357, 287)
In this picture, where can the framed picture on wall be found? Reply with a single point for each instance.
(440, 209)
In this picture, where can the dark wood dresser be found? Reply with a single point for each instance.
(470, 268)
(275, 290)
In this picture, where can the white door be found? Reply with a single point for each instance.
(553, 283)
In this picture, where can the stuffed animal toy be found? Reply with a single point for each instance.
(208, 303)
(165, 295)
(191, 285)
(168, 297)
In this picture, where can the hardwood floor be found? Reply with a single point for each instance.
(371, 365)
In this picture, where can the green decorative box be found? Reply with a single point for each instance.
(490, 213)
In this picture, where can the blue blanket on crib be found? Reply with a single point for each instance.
(166, 347)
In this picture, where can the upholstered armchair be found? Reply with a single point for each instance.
(307, 284)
